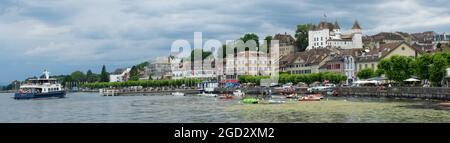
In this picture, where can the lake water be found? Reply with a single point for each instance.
(91, 107)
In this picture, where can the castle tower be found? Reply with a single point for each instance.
(357, 35)
(356, 28)
(337, 30)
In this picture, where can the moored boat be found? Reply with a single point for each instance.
(238, 93)
(312, 97)
(178, 94)
(41, 88)
(444, 104)
(294, 95)
(226, 97)
(271, 102)
(207, 94)
(250, 101)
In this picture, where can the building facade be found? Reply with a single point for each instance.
(160, 68)
(372, 58)
(327, 34)
(305, 62)
(247, 63)
(286, 44)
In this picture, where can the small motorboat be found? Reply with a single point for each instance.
(250, 101)
(178, 94)
(444, 104)
(271, 102)
(238, 93)
(291, 96)
(207, 94)
(312, 97)
(226, 97)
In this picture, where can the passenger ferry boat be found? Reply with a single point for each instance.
(41, 88)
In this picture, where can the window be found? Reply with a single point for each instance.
(403, 48)
(365, 65)
(373, 66)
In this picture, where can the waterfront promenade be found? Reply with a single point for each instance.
(441, 93)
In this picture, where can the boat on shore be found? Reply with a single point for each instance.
(271, 102)
(207, 94)
(238, 93)
(225, 97)
(178, 94)
(41, 88)
(311, 97)
(444, 104)
(250, 101)
(294, 95)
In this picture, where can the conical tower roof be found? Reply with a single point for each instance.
(336, 25)
(356, 25)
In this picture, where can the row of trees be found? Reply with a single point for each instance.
(145, 83)
(79, 76)
(297, 78)
(428, 67)
(369, 73)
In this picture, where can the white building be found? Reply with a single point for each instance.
(442, 38)
(327, 34)
(202, 69)
(248, 63)
(120, 75)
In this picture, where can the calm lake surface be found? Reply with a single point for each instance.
(91, 107)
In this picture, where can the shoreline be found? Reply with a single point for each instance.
(416, 93)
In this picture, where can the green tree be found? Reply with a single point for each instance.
(78, 76)
(134, 74)
(423, 66)
(91, 77)
(438, 69)
(301, 36)
(67, 80)
(142, 65)
(269, 43)
(397, 68)
(438, 45)
(104, 75)
(379, 72)
(251, 36)
(366, 73)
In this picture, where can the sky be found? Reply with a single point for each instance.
(67, 35)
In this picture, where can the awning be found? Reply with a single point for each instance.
(366, 82)
(411, 80)
(377, 78)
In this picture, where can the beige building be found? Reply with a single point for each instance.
(305, 62)
(371, 59)
(247, 63)
(286, 42)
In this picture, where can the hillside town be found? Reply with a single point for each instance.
(330, 49)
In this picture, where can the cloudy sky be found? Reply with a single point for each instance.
(68, 35)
